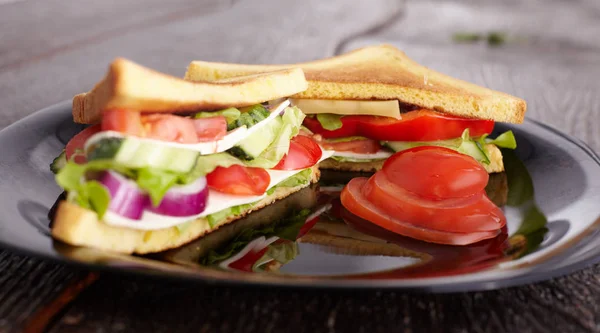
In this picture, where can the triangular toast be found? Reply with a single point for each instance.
(382, 73)
(132, 86)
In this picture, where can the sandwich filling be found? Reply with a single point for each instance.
(266, 248)
(371, 131)
(155, 171)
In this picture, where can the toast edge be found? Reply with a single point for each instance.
(218, 70)
(80, 227)
(115, 89)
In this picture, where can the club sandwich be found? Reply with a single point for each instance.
(371, 102)
(163, 161)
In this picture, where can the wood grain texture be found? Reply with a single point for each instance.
(555, 69)
(561, 305)
(55, 26)
(551, 60)
(288, 31)
(27, 284)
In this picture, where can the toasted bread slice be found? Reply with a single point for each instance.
(382, 73)
(131, 86)
(494, 153)
(79, 226)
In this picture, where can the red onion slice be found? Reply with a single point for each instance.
(183, 200)
(126, 198)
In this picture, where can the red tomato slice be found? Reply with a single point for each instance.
(348, 127)
(304, 152)
(245, 263)
(360, 146)
(418, 125)
(358, 204)
(307, 226)
(78, 141)
(436, 172)
(123, 121)
(168, 127)
(475, 213)
(238, 179)
(209, 129)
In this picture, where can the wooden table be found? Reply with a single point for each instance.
(51, 50)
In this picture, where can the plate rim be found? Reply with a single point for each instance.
(324, 283)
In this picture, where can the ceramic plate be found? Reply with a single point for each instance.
(550, 193)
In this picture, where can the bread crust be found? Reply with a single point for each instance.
(383, 72)
(128, 85)
(79, 226)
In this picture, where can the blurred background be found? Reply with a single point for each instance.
(547, 52)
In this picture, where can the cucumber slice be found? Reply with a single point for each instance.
(404, 145)
(463, 145)
(135, 154)
(474, 150)
(59, 162)
(105, 149)
(252, 146)
(249, 117)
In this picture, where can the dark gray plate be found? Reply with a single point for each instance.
(564, 173)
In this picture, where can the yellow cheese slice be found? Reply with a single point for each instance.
(347, 107)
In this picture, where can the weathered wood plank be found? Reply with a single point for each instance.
(560, 305)
(551, 60)
(69, 46)
(287, 31)
(54, 26)
(556, 71)
(25, 285)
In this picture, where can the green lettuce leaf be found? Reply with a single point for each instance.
(71, 178)
(330, 121)
(282, 252)
(504, 140)
(294, 117)
(217, 218)
(301, 178)
(231, 114)
(96, 195)
(521, 195)
(205, 164)
(91, 195)
(72, 174)
(292, 120)
(466, 144)
(473, 148)
(156, 183)
(287, 228)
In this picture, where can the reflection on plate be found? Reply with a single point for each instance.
(549, 192)
(282, 240)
